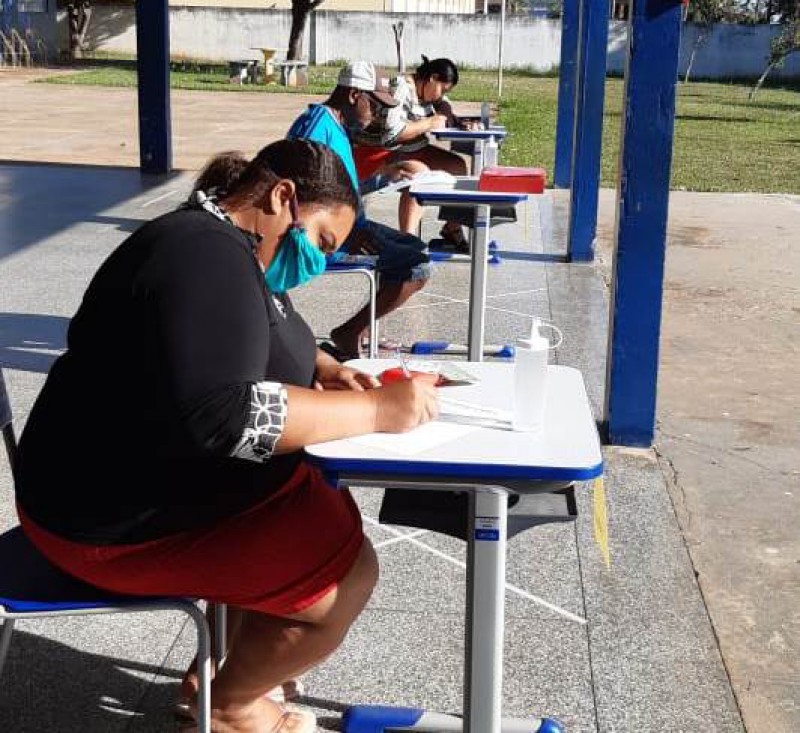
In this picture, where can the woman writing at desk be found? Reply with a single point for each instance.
(164, 453)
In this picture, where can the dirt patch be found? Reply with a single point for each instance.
(691, 236)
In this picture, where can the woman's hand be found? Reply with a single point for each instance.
(339, 376)
(437, 122)
(330, 374)
(404, 405)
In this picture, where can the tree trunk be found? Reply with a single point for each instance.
(398, 42)
(701, 37)
(79, 14)
(86, 16)
(300, 13)
(761, 80)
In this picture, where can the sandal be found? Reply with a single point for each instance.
(336, 352)
(295, 721)
(289, 691)
(387, 343)
(453, 238)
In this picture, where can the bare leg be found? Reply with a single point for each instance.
(234, 618)
(391, 295)
(269, 649)
(436, 159)
(409, 212)
(439, 159)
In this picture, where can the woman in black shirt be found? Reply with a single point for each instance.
(163, 455)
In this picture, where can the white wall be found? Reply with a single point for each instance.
(227, 34)
(469, 39)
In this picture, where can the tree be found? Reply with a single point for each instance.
(705, 14)
(301, 9)
(783, 46)
(398, 42)
(79, 13)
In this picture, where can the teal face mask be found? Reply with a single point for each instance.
(297, 260)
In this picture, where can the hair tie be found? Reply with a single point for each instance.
(294, 209)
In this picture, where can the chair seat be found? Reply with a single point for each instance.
(31, 584)
(348, 266)
(343, 261)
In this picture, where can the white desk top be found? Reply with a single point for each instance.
(463, 192)
(568, 448)
(456, 133)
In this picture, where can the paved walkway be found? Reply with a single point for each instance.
(728, 432)
(726, 457)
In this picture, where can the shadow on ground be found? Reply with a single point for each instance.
(39, 200)
(31, 342)
(72, 691)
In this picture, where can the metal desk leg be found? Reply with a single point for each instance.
(483, 664)
(486, 574)
(477, 287)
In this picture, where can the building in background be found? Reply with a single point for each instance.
(374, 6)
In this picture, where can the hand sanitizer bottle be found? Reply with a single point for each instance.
(530, 381)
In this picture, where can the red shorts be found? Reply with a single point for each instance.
(369, 160)
(279, 557)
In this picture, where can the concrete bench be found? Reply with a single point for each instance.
(293, 73)
(243, 71)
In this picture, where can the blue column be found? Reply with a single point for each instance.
(587, 141)
(643, 197)
(152, 53)
(565, 125)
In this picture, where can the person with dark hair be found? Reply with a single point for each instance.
(400, 135)
(164, 455)
(220, 173)
(361, 97)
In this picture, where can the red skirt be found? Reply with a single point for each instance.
(279, 557)
(369, 160)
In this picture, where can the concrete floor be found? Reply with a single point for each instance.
(702, 527)
(728, 434)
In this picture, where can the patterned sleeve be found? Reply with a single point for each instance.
(264, 425)
(396, 120)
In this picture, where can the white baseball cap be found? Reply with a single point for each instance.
(369, 78)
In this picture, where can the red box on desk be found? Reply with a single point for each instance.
(508, 179)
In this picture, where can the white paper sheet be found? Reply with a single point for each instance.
(416, 441)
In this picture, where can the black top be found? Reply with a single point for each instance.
(130, 437)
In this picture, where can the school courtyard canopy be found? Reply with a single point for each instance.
(642, 186)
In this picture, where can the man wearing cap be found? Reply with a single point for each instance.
(362, 97)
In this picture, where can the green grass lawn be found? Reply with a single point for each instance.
(722, 141)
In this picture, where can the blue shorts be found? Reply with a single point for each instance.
(401, 257)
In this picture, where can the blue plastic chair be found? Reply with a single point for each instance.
(31, 587)
(364, 265)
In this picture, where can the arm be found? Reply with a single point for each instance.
(417, 128)
(314, 416)
(331, 374)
